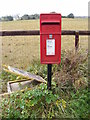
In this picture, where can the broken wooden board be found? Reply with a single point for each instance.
(17, 85)
(7, 95)
(23, 73)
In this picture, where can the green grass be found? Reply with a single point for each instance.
(69, 97)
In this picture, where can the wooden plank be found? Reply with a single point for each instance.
(5, 95)
(37, 32)
(20, 85)
(19, 33)
(68, 32)
(25, 74)
(84, 32)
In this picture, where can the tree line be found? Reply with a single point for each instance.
(29, 17)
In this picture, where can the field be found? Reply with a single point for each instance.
(20, 51)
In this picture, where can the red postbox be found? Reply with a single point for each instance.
(50, 38)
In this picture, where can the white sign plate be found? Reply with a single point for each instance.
(50, 47)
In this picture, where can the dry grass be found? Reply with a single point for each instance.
(73, 70)
(20, 51)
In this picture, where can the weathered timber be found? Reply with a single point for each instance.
(37, 32)
(76, 40)
(19, 33)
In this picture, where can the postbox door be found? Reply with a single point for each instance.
(54, 55)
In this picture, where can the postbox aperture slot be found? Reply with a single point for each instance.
(50, 23)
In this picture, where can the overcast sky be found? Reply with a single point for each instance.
(20, 7)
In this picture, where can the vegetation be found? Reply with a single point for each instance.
(30, 17)
(25, 17)
(69, 97)
(35, 16)
(71, 15)
(7, 18)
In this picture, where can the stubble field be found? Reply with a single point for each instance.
(20, 51)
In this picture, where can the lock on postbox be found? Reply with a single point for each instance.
(50, 38)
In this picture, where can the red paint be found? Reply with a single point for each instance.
(50, 24)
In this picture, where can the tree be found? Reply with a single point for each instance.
(25, 17)
(7, 18)
(71, 15)
(35, 16)
(64, 16)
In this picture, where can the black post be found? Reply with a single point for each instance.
(49, 74)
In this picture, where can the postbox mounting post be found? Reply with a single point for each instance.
(49, 76)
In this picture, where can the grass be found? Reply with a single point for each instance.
(69, 97)
(19, 51)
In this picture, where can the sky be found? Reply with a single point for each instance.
(65, 7)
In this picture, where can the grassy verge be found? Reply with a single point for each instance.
(69, 97)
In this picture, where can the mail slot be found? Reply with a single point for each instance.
(50, 38)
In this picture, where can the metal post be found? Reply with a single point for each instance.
(49, 76)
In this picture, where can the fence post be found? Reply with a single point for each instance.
(76, 40)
